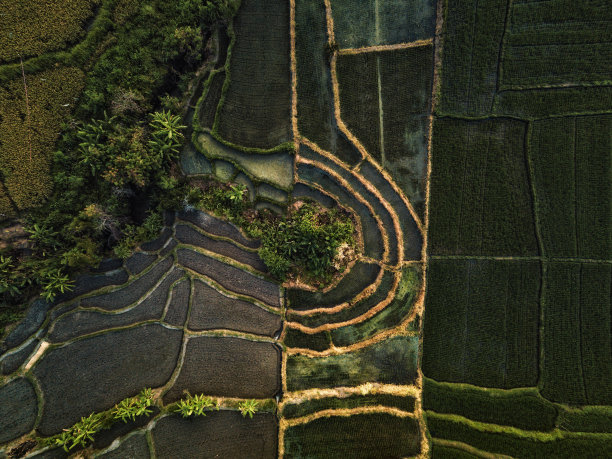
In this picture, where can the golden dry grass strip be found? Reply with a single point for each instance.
(382, 48)
(435, 92)
(355, 320)
(302, 396)
(294, 122)
(346, 412)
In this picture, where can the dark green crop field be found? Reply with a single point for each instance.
(520, 235)
(481, 322)
(481, 172)
(258, 98)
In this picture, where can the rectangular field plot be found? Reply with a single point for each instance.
(385, 99)
(481, 322)
(472, 36)
(256, 111)
(357, 436)
(577, 353)
(481, 200)
(359, 23)
(572, 170)
(555, 42)
(543, 103)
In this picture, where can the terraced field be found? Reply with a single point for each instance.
(471, 147)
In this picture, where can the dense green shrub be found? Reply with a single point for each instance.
(307, 241)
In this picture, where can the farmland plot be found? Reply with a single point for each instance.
(481, 322)
(577, 357)
(572, 167)
(153, 327)
(314, 92)
(382, 22)
(385, 102)
(481, 203)
(28, 134)
(256, 108)
(557, 42)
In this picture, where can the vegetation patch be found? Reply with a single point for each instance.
(481, 322)
(31, 28)
(518, 443)
(481, 198)
(393, 437)
(521, 408)
(535, 53)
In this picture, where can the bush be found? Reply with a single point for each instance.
(307, 241)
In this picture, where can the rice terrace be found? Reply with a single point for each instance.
(305, 229)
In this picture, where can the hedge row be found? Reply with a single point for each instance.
(481, 199)
(481, 322)
(79, 55)
(26, 141)
(33, 27)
